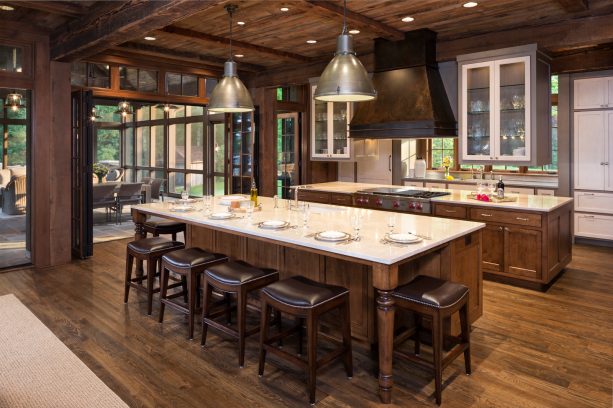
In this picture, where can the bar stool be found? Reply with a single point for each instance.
(150, 250)
(306, 299)
(234, 277)
(189, 263)
(437, 299)
(157, 228)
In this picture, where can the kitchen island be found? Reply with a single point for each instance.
(370, 269)
(526, 242)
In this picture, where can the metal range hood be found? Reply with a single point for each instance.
(411, 99)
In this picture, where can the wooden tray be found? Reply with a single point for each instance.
(508, 199)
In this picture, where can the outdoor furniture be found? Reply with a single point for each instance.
(115, 174)
(104, 197)
(128, 194)
(5, 177)
(14, 196)
(156, 187)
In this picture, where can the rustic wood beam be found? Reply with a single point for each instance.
(197, 35)
(562, 36)
(113, 23)
(153, 50)
(53, 7)
(581, 61)
(574, 6)
(360, 20)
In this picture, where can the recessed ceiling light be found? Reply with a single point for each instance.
(311, 41)
(4, 7)
(407, 19)
(354, 31)
(284, 9)
(471, 4)
(239, 55)
(150, 38)
(240, 22)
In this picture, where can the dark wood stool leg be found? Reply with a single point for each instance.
(174, 236)
(465, 336)
(241, 311)
(348, 357)
(192, 294)
(300, 323)
(437, 348)
(151, 268)
(228, 298)
(184, 288)
(264, 321)
(163, 291)
(416, 338)
(312, 355)
(206, 305)
(129, 262)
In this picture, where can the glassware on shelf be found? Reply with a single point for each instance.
(517, 102)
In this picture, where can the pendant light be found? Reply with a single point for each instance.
(230, 94)
(14, 101)
(124, 109)
(166, 107)
(345, 79)
(94, 115)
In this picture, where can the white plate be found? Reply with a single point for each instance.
(226, 200)
(402, 238)
(189, 200)
(221, 216)
(332, 236)
(182, 208)
(273, 224)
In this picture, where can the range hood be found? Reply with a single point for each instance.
(411, 99)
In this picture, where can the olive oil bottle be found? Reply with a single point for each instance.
(254, 193)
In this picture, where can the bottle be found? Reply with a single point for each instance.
(500, 188)
(420, 167)
(254, 193)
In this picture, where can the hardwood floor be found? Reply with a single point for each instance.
(529, 349)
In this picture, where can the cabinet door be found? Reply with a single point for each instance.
(589, 150)
(339, 147)
(512, 109)
(522, 252)
(477, 120)
(591, 93)
(608, 163)
(492, 255)
(319, 128)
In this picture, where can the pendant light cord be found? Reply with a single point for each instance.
(344, 17)
(230, 11)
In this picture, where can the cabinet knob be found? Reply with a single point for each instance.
(506, 229)
(499, 228)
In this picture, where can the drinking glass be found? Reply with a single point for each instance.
(250, 210)
(491, 186)
(207, 201)
(356, 222)
(184, 194)
(306, 212)
(391, 223)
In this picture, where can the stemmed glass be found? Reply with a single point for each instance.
(184, 194)
(356, 222)
(391, 223)
(207, 201)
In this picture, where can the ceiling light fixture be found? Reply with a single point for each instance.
(94, 115)
(241, 23)
(166, 107)
(345, 79)
(311, 41)
(124, 109)
(4, 7)
(150, 38)
(284, 9)
(14, 101)
(354, 31)
(408, 19)
(471, 4)
(239, 55)
(230, 94)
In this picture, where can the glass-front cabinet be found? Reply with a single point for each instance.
(499, 121)
(330, 129)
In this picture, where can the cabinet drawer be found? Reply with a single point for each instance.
(341, 199)
(314, 196)
(594, 226)
(458, 186)
(545, 192)
(435, 185)
(452, 211)
(594, 202)
(505, 217)
(518, 190)
(414, 183)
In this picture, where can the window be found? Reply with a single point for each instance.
(288, 94)
(135, 79)
(181, 84)
(210, 83)
(11, 58)
(89, 74)
(13, 131)
(440, 148)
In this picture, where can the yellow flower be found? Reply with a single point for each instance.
(447, 161)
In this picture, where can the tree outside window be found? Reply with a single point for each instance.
(441, 147)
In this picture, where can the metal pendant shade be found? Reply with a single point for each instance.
(230, 94)
(345, 79)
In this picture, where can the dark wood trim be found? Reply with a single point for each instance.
(118, 57)
(583, 60)
(573, 6)
(54, 7)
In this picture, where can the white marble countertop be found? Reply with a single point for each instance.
(331, 217)
(524, 201)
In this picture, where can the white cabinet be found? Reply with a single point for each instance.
(504, 112)
(594, 202)
(594, 226)
(593, 93)
(593, 150)
(518, 190)
(376, 169)
(545, 192)
(330, 129)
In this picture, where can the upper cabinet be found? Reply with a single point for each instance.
(330, 129)
(505, 107)
(593, 150)
(593, 93)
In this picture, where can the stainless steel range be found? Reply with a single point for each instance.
(396, 199)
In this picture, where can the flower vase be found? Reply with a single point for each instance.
(446, 171)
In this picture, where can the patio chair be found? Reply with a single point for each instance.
(104, 197)
(116, 174)
(156, 189)
(14, 196)
(128, 194)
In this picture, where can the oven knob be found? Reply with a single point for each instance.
(364, 200)
(379, 202)
(396, 204)
(411, 205)
(418, 206)
(358, 201)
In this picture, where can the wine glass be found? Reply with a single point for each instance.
(391, 223)
(356, 222)
(184, 194)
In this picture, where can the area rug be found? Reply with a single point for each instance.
(38, 371)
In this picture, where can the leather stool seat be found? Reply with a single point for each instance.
(432, 291)
(236, 273)
(190, 257)
(299, 291)
(155, 244)
(164, 227)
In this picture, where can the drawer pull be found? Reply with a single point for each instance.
(586, 216)
(522, 219)
(451, 211)
(499, 228)
(587, 194)
(486, 215)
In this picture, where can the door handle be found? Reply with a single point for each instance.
(499, 228)
(389, 162)
(507, 229)
(486, 215)
(450, 211)
(522, 219)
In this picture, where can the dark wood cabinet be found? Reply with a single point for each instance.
(522, 249)
(493, 253)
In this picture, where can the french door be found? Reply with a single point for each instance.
(288, 153)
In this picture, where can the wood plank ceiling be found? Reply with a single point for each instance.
(271, 38)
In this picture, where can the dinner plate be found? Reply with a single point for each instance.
(273, 224)
(186, 201)
(401, 238)
(332, 236)
(182, 208)
(226, 200)
(221, 216)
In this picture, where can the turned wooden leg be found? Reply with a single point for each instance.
(385, 321)
(139, 233)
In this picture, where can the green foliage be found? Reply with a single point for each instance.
(554, 84)
(107, 144)
(17, 145)
(100, 170)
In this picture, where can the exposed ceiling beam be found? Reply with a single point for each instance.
(197, 35)
(53, 7)
(360, 20)
(566, 35)
(574, 6)
(113, 23)
(587, 60)
(153, 50)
